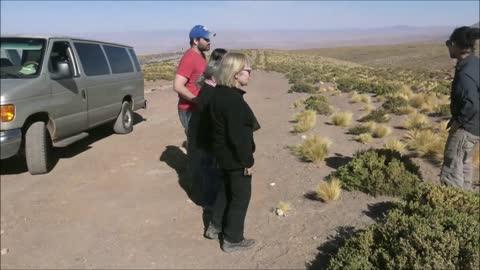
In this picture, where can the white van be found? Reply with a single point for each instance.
(55, 88)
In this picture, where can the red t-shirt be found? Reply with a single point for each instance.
(190, 66)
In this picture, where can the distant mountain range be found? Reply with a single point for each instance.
(163, 41)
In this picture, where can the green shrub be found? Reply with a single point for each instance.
(395, 104)
(362, 128)
(379, 172)
(319, 104)
(303, 87)
(379, 115)
(434, 228)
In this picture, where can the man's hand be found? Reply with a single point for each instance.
(179, 87)
(454, 126)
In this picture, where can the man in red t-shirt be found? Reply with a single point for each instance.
(191, 66)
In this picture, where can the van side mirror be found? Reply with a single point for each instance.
(62, 71)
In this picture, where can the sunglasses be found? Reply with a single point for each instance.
(249, 70)
(448, 43)
(206, 39)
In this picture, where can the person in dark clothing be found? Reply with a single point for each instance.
(464, 133)
(233, 146)
(200, 134)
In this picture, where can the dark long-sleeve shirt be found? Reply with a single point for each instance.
(465, 94)
(233, 127)
(200, 127)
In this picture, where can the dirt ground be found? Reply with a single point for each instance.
(118, 201)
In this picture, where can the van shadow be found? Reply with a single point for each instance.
(17, 164)
(178, 160)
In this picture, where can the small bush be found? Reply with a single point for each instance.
(313, 149)
(362, 128)
(329, 190)
(394, 104)
(416, 121)
(405, 110)
(436, 227)
(360, 98)
(396, 145)
(364, 138)
(342, 119)
(305, 120)
(319, 104)
(378, 115)
(379, 172)
(381, 131)
(303, 87)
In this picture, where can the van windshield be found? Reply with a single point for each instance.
(21, 58)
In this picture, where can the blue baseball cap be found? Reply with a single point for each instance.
(200, 31)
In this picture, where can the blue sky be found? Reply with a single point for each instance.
(69, 17)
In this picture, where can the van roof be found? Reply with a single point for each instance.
(66, 37)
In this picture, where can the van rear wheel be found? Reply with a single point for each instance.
(38, 148)
(124, 122)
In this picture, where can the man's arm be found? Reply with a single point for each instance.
(179, 87)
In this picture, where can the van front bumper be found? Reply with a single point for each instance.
(10, 142)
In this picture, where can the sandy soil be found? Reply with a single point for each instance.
(118, 201)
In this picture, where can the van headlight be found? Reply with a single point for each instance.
(7, 112)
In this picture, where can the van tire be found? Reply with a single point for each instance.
(38, 148)
(124, 122)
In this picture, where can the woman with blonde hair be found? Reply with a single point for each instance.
(233, 146)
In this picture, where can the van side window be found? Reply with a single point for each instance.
(92, 58)
(135, 59)
(119, 59)
(61, 52)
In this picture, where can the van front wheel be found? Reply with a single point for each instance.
(38, 148)
(124, 122)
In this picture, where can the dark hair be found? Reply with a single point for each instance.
(464, 37)
(217, 54)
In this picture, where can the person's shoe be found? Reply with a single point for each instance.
(212, 232)
(242, 245)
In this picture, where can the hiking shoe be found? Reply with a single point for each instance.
(242, 245)
(211, 232)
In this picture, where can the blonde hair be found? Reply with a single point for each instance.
(231, 65)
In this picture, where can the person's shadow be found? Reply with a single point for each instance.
(178, 160)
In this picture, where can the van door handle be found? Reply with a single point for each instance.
(84, 94)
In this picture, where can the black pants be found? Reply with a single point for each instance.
(232, 203)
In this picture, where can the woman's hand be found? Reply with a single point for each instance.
(248, 171)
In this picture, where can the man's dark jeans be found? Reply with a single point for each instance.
(232, 203)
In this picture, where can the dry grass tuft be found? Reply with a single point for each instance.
(343, 119)
(282, 208)
(364, 138)
(305, 120)
(368, 107)
(329, 191)
(395, 144)
(423, 141)
(297, 103)
(416, 121)
(380, 131)
(313, 148)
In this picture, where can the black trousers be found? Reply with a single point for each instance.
(232, 203)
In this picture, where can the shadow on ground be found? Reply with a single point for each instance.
(17, 164)
(178, 160)
(330, 248)
(337, 161)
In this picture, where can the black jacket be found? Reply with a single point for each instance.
(200, 127)
(233, 127)
(465, 94)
